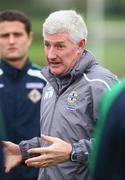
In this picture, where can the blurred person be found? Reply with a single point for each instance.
(1, 160)
(21, 85)
(69, 104)
(108, 153)
(2, 137)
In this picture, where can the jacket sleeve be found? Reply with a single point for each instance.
(80, 151)
(98, 88)
(82, 148)
(28, 144)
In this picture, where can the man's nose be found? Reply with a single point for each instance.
(11, 39)
(51, 53)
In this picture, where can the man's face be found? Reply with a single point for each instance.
(14, 40)
(61, 53)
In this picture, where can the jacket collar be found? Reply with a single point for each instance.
(87, 60)
(13, 72)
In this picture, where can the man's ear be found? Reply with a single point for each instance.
(82, 44)
(30, 38)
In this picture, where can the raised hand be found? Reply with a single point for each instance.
(12, 155)
(57, 152)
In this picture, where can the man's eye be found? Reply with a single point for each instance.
(60, 46)
(46, 45)
(4, 35)
(17, 34)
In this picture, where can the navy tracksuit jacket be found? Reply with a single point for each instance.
(20, 95)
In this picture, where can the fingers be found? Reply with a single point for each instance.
(7, 169)
(9, 165)
(35, 160)
(40, 165)
(34, 164)
(41, 161)
(50, 139)
(39, 150)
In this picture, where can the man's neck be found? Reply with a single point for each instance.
(19, 64)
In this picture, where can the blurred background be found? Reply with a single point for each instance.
(105, 20)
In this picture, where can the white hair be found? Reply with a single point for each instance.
(68, 21)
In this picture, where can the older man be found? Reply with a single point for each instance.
(69, 104)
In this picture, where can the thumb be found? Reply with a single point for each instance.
(49, 139)
(5, 143)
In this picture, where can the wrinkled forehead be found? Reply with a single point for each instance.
(57, 37)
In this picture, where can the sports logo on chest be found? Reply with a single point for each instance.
(34, 95)
(71, 101)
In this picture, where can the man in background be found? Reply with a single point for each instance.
(21, 85)
(108, 153)
(2, 137)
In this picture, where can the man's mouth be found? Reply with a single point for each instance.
(12, 49)
(54, 63)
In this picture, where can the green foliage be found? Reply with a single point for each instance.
(114, 55)
(36, 53)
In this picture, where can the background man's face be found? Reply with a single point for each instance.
(14, 40)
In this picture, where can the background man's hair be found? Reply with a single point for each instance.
(15, 15)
